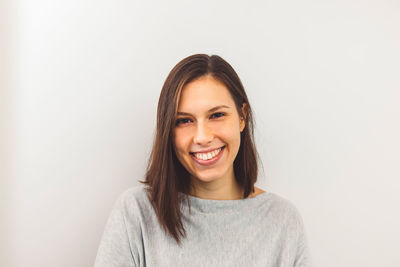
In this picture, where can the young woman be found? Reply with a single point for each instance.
(198, 205)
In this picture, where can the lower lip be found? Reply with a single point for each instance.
(210, 161)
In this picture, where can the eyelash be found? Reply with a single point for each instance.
(180, 121)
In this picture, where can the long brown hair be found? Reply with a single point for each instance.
(165, 176)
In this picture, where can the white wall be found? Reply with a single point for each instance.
(83, 85)
(8, 21)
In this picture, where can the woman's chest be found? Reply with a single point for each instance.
(220, 241)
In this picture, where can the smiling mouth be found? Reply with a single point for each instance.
(208, 155)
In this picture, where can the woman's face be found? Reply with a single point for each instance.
(207, 130)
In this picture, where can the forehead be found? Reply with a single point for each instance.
(204, 92)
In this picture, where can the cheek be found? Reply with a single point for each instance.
(180, 141)
(231, 132)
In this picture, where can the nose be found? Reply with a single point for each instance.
(203, 134)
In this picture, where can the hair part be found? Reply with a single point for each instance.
(168, 182)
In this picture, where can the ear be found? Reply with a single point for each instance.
(243, 119)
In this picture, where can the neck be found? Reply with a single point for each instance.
(220, 189)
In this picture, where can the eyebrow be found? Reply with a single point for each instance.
(209, 111)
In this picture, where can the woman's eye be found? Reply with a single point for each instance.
(218, 115)
(182, 121)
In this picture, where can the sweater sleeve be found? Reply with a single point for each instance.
(303, 258)
(116, 247)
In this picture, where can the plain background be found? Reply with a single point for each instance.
(80, 85)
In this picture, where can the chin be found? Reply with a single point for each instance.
(204, 177)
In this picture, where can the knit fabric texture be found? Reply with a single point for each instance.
(265, 230)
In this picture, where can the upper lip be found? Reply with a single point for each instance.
(206, 151)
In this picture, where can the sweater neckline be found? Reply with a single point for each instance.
(214, 205)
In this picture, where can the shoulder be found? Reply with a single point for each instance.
(282, 202)
(284, 210)
(136, 193)
(133, 200)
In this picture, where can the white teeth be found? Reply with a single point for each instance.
(207, 156)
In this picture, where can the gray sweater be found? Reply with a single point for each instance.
(265, 230)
